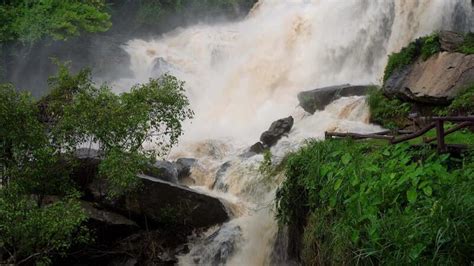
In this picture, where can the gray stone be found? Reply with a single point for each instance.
(276, 131)
(450, 41)
(164, 170)
(318, 99)
(434, 81)
(219, 183)
(184, 165)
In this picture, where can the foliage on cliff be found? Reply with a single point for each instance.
(389, 113)
(30, 21)
(379, 205)
(39, 207)
(423, 47)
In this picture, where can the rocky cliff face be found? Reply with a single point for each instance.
(436, 80)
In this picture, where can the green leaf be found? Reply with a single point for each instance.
(346, 158)
(428, 191)
(412, 195)
(337, 185)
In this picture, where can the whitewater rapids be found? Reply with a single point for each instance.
(243, 75)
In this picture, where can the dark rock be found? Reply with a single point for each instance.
(277, 130)
(318, 99)
(435, 81)
(108, 226)
(183, 166)
(450, 41)
(257, 148)
(164, 170)
(218, 247)
(87, 167)
(163, 202)
(219, 183)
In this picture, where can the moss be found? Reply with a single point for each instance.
(389, 113)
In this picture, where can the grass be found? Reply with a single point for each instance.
(386, 204)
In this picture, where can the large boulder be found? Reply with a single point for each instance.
(450, 40)
(434, 81)
(163, 202)
(318, 99)
(277, 130)
(163, 170)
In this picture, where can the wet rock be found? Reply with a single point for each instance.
(217, 248)
(434, 81)
(163, 202)
(87, 167)
(318, 99)
(164, 170)
(257, 148)
(183, 166)
(277, 130)
(160, 65)
(219, 183)
(450, 41)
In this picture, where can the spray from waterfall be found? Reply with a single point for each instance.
(241, 76)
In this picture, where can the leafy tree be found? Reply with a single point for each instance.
(38, 140)
(32, 20)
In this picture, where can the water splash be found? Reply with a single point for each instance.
(241, 76)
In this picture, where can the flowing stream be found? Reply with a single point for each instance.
(241, 76)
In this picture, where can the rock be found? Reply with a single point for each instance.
(318, 99)
(434, 81)
(183, 166)
(87, 167)
(217, 248)
(163, 170)
(257, 148)
(108, 226)
(450, 41)
(219, 183)
(163, 202)
(160, 65)
(277, 130)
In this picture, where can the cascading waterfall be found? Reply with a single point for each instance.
(241, 76)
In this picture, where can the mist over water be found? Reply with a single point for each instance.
(241, 76)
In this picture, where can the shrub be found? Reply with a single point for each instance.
(390, 113)
(385, 206)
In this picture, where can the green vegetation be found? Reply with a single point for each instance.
(424, 47)
(463, 104)
(379, 205)
(389, 113)
(30, 21)
(468, 46)
(40, 214)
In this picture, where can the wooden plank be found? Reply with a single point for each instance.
(451, 118)
(357, 135)
(413, 135)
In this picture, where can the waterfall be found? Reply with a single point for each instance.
(241, 76)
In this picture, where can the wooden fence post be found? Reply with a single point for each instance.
(440, 136)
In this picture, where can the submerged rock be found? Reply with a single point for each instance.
(434, 81)
(184, 165)
(318, 99)
(276, 131)
(219, 183)
(217, 248)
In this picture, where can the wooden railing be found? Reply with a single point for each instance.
(398, 136)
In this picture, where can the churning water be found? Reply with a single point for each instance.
(241, 76)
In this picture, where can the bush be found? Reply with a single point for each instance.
(385, 206)
(32, 233)
(463, 104)
(389, 113)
